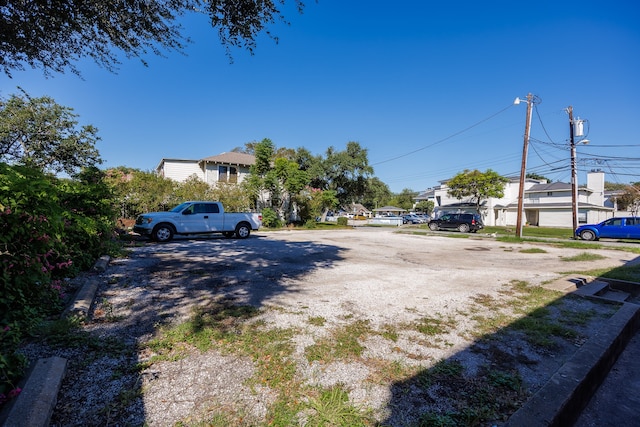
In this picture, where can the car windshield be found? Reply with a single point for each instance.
(180, 207)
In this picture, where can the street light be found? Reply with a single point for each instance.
(531, 99)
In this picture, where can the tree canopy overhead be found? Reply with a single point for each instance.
(54, 34)
(40, 133)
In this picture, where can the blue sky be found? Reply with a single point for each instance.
(426, 87)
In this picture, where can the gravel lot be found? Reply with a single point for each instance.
(372, 274)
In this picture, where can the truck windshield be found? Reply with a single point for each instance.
(180, 207)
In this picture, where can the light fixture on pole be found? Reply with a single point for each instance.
(531, 99)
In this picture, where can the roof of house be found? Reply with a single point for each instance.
(553, 186)
(232, 158)
(389, 209)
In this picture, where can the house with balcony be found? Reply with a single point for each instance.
(228, 167)
(545, 204)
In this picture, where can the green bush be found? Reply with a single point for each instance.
(343, 221)
(50, 229)
(270, 218)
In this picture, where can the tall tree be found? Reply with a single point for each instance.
(40, 133)
(477, 186)
(404, 199)
(377, 194)
(55, 34)
(630, 199)
(347, 172)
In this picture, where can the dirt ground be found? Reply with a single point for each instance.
(375, 274)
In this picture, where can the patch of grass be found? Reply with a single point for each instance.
(432, 326)
(533, 251)
(389, 332)
(317, 320)
(585, 256)
(342, 343)
(484, 397)
(331, 407)
(630, 273)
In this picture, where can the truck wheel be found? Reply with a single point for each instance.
(243, 230)
(162, 233)
(227, 234)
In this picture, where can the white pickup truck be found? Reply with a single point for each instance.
(196, 217)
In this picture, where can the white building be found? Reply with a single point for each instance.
(226, 167)
(544, 204)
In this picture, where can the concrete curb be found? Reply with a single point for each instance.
(560, 401)
(34, 405)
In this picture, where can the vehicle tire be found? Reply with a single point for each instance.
(163, 233)
(588, 235)
(228, 234)
(243, 230)
(433, 226)
(463, 228)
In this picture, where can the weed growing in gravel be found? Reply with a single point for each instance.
(342, 343)
(533, 310)
(317, 321)
(585, 256)
(331, 407)
(533, 251)
(432, 326)
(480, 398)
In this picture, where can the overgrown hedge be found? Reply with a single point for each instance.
(50, 229)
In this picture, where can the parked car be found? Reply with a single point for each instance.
(412, 219)
(613, 228)
(196, 217)
(463, 222)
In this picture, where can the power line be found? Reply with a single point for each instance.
(444, 139)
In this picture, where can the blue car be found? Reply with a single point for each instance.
(613, 228)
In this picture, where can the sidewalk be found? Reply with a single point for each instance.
(617, 401)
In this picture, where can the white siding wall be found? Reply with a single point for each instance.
(180, 171)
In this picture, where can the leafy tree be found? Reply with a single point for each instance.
(259, 184)
(377, 194)
(425, 206)
(347, 172)
(139, 191)
(54, 34)
(404, 199)
(40, 133)
(532, 175)
(193, 188)
(477, 185)
(319, 203)
(630, 199)
(233, 197)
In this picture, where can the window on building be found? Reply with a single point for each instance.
(222, 173)
(233, 174)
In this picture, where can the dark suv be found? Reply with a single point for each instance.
(463, 222)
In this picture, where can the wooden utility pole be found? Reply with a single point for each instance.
(523, 168)
(574, 172)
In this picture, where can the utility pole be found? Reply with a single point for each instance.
(523, 168)
(574, 172)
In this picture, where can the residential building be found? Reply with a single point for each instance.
(545, 204)
(228, 167)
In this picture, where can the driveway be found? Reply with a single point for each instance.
(374, 274)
